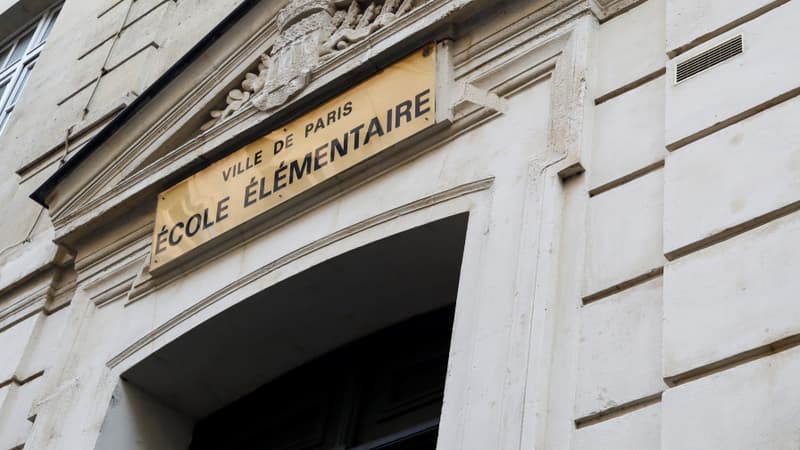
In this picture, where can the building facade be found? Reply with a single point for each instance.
(399, 224)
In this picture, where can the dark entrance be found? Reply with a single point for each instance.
(381, 392)
(347, 354)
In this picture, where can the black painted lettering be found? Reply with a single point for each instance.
(161, 239)
(222, 206)
(339, 147)
(206, 222)
(355, 132)
(375, 129)
(420, 100)
(250, 192)
(402, 110)
(193, 225)
(263, 192)
(172, 240)
(279, 180)
(320, 155)
(296, 171)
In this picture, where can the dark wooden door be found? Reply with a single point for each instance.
(381, 392)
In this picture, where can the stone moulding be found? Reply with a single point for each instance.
(310, 32)
(326, 241)
(70, 218)
(532, 59)
(418, 25)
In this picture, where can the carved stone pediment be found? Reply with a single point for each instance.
(290, 46)
(161, 144)
(310, 32)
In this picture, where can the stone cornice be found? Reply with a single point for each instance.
(389, 42)
(440, 197)
(549, 57)
(492, 67)
(183, 110)
(560, 56)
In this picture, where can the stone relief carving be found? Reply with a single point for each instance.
(310, 32)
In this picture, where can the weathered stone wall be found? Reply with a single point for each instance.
(84, 75)
(689, 292)
(629, 268)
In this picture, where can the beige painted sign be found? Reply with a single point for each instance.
(358, 124)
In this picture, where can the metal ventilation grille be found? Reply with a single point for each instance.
(708, 58)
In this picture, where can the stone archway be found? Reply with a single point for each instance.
(284, 327)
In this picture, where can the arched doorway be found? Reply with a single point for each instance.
(349, 354)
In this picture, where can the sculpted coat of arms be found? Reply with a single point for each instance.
(310, 31)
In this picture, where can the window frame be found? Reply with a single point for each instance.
(13, 73)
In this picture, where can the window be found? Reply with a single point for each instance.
(18, 55)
